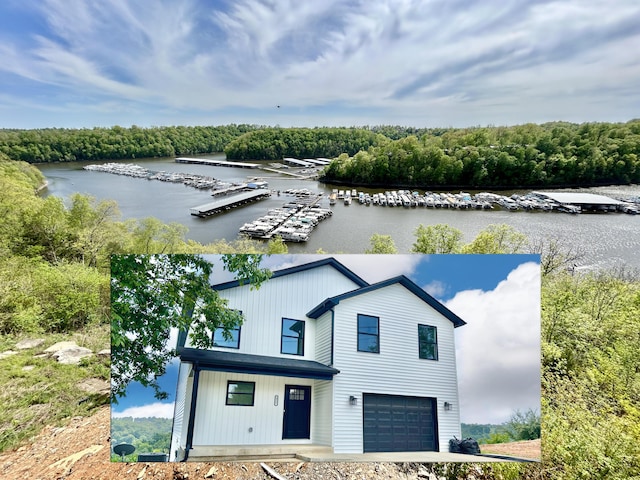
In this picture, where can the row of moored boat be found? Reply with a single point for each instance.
(294, 222)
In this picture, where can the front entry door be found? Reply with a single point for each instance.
(297, 411)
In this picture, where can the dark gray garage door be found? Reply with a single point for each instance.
(394, 423)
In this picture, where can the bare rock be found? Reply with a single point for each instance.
(104, 353)
(56, 347)
(6, 354)
(94, 386)
(29, 343)
(28, 368)
(72, 355)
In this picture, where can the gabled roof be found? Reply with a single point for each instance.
(301, 268)
(257, 364)
(329, 303)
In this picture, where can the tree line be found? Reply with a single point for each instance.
(68, 145)
(552, 154)
(277, 143)
(530, 155)
(146, 434)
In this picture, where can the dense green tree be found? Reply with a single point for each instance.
(382, 244)
(497, 239)
(152, 294)
(438, 238)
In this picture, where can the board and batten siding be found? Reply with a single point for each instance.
(288, 296)
(397, 369)
(261, 424)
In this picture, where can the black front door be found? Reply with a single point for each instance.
(297, 411)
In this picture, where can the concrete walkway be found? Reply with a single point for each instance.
(400, 457)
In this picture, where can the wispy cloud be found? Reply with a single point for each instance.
(436, 289)
(462, 62)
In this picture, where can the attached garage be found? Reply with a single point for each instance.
(394, 423)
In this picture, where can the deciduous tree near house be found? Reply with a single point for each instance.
(152, 294)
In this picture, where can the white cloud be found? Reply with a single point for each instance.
(436, 288)
(419, 63)
(498, 351)
(157, 409)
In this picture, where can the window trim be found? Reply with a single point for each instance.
(253, 394)
(377, 335)
(435, 329)
(213, 338)
(300, 338)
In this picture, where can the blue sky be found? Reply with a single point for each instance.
(498, 351)
(438, 63)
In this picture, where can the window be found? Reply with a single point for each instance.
(292, 337)
(240, 393)
(427, 342)
(296, 394)
(368, 334)
(233, 341)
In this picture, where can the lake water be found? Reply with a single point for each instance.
(606, 238)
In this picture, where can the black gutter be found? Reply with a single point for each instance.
(332, 334)
(192, 411)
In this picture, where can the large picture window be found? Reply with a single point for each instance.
(427, 342)
(240, 393)
(292, 337)
(219, 339)
(368, 334)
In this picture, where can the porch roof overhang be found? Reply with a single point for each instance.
(256, 364)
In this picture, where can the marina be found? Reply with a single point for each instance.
(606, 238)
(137, 171)
(217, 163)
(228, 203)
(294, 222)
(534, 201)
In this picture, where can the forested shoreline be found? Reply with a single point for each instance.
(556, 154)
(549, 155)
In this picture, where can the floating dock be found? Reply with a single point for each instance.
(216, 163)
(228, 203)
(588, 202)
(297, 163)
(318, 161)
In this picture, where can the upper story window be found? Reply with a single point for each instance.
(240, 393)
(368, 333)
(292, 337)
(428, 342)
(233, 341)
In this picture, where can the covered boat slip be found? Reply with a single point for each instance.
(588, 202)
(230, 202)
(241, 404)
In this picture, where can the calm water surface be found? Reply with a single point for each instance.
(606, 238)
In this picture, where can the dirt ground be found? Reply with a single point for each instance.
(80, 450)
(529, 449)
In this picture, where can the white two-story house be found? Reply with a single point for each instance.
(322, 358)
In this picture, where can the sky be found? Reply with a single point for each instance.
(422, 63)
(497, 352)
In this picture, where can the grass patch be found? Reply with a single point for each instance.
(47, 394)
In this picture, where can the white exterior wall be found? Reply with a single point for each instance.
(288, 296)
(397, 369)
(323, 338)
(179, 416)
(219, 424)
(322, 415)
